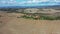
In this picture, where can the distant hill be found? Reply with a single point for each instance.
(14, 7)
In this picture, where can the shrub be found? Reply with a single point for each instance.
(32, 16)
(58, 18)
(47, 18)
(0, 15)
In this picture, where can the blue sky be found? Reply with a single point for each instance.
(29, 2)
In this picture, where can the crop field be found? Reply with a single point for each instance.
(11, 24)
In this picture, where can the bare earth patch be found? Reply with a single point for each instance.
(14, 25)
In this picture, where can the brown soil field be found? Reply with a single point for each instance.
(10, 24)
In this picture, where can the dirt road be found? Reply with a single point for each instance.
(16, 25)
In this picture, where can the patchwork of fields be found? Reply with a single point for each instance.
(10, 24)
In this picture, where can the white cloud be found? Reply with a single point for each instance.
(27, 2)
(3, 2)
(40, 0)
(11, 0)
(57, 0)
(44, 0)
(33, 1)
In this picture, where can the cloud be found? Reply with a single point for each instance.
(30, 2)
(3, 2)
(40, 0)
(44, 0)
(11, 0)
(57, 0)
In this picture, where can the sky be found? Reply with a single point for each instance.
(29, 2)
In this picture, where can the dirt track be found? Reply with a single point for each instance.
(14, 25)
